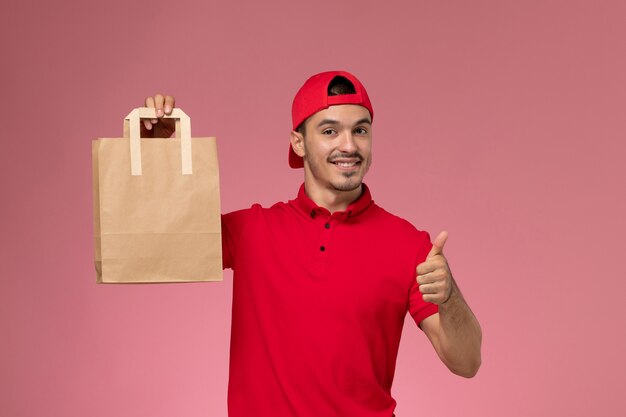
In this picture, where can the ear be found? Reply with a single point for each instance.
(297, 143)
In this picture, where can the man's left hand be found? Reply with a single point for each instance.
(433, 275)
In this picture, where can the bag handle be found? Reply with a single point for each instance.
(132, 131)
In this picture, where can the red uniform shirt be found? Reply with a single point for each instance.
(319, 302)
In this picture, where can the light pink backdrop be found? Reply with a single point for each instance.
(500, 121)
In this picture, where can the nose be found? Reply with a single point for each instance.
(347, 143)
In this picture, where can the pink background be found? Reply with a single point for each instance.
(500, 121)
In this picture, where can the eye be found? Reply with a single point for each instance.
(360, 131)
(328, 131)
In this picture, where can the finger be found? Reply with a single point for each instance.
(159, 101)
(426, 267)
(434, 298)
(425, 279)
(434, 288)
(169, 104)
(149, 103)
(438, 243)
(430, 265)
(437, 275)
(427, 289)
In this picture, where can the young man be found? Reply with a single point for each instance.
(322, 283)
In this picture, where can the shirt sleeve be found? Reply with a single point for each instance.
(418, 308)
(232, 226)
(227, 242)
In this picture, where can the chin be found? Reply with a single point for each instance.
(348, 184)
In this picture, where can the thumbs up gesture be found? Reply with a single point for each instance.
(433, 275)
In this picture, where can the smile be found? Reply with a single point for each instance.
(346, 164)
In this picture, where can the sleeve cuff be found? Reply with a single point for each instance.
(426, 311)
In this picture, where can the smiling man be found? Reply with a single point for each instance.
(322, 283)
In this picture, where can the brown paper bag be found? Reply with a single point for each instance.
(156, 205)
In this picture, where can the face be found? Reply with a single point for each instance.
(336, 147)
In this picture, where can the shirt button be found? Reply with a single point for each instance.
(327, 225)
(322, 248)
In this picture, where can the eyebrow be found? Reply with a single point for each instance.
(365, 120)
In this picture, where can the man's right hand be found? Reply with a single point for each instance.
(159, 127)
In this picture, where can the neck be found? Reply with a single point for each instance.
(331, 199)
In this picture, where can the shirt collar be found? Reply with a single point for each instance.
(356, 207)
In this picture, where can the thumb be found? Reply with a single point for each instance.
(438, 243)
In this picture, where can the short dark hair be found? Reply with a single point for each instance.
(338, 86)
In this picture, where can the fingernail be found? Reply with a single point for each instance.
(168, 109)
(159, 112)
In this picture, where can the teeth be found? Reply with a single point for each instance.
(345, 164)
